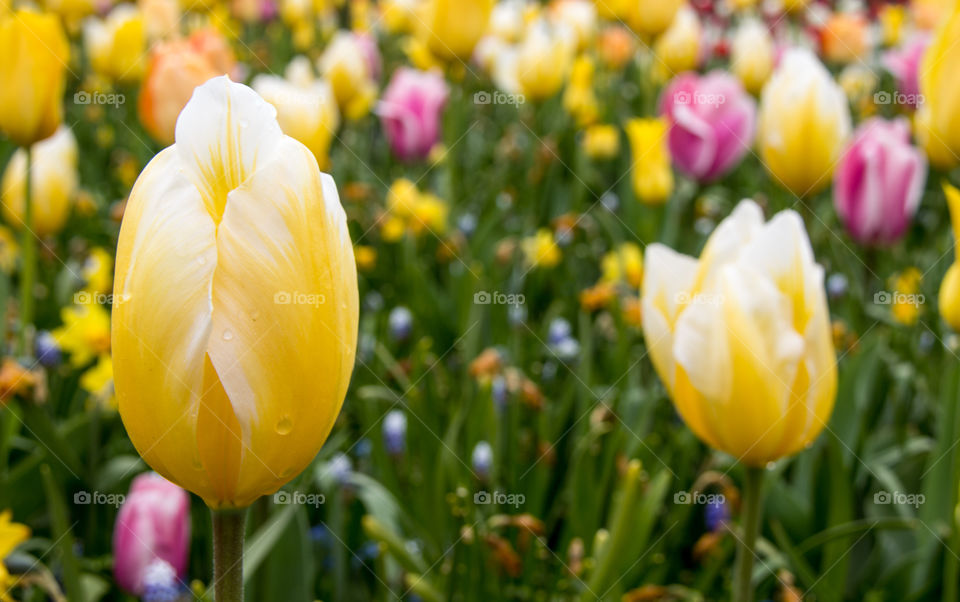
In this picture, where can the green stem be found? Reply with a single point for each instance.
(951, 565)
(228, 527)
(28, 269)
(750, 520)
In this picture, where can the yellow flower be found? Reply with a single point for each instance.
(906, 300)
(678, 49)
(429, 213)
(938, 120)
(803, 123)
(892, 21)
(9, 250)
(11, 535)
(449, 29)
(625, 264)
(543, 59)
(751, 54)
(85, 333)
(98, 383)
(601, 141)
(541, 250)
(233, 259)
(34, 54)
(53, 183)
(344, 66)
(97, 271)
(402, 198)
(366, 257)
(398, 16)
(579, 99)
(116, 45)
(651, 174)
(650, 17)
(949, 298)
(306, 108)
(392, 228)
(741, 336)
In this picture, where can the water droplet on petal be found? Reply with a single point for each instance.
(284, 426)
(227, 335)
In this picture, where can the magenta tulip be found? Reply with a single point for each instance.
(904, 64)
(879, 181)
(410, 111)
(153, 524)
(712, 121)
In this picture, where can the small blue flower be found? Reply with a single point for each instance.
(160, 583)
(363, 448)
(517, 315)
(341, 468)
(47, 349)
(610, 201)
(467, 224)
(395, 432)
(401, 323)
(482, 459)
(715, 514)
(567, 349)
(498, 390)
(836, 285)
(373, 301)
(558, 331)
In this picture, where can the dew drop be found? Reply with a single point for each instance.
(284, 426)
(227, 335)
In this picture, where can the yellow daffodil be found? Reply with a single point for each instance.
(53, 183)
(33, 59)
(233, 258)
(344, 66)
(98, 383)
(752, 54)
(949, 298)
(625, 264)
(741, 336)
(449, 29)
(11, 535)
(938, 120)
(541, 249)
(601, 141)
(306, 108)
(85, 333)
(651, 174)
(116, 45)
(803, 123)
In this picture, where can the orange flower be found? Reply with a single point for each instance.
(14, 379)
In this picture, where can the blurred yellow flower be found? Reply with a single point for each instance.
(344, 66)
(893, 17)
(9, 250)
(392, 228)
(97, 271)
(579, 99)
(306, 108)
(85, 333)
(938, 120)
(449, 29)
(624, 264)
(651, 174)
(741, 336)
(11, 535)
(366, 257)
(116, 45)
(752, 54)
(650, 17)
(34, 53)
(906, 300)
(398, 16)
(97, 381)
(678, 48)
(543, 60)
(949, 298)
(161, 17)
(53, 183)
(601, 141)
(803, 123)
(541, 250)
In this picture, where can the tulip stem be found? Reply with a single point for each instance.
(228, 528)
(28, 269)
(750, 522)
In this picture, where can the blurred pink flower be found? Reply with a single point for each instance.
(371, 54)
(411, 110)
(879, 181)
(904, 64)
(712, 121)
(153, 523)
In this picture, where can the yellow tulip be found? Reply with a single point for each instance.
(751, 54)
(624, 264)
(938, 121)
(116, 44)
(543, 60)
(306, 108)
(651, 173)
(33, 61)
(579, 98)
(678, 49)
(601, 141)
(344, 66)
(949, 299)
(235, 302)
(741, 336)
(450, 29)
(53, 183)
(541, 249)
(803, 123)
(651, 17)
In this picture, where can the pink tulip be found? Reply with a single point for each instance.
(371, 54)
(712, 121)
(904, 64)
(411, 110)
(879, 181)
(153, 524)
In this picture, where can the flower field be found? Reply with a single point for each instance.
(427, 300)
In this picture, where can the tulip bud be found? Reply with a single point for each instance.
(678, 49)
(233, 258)
(543, 59)
(449, 29)
(116, 44)
(804, 122)
(904, 64)
(938, 121)
(411, 111)
(345, 66)
(650, 17)
(879, 182)
(741, 337)
(751, 54)
(34, 53)
(53, 183)
(652, 176)
(153, 524)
